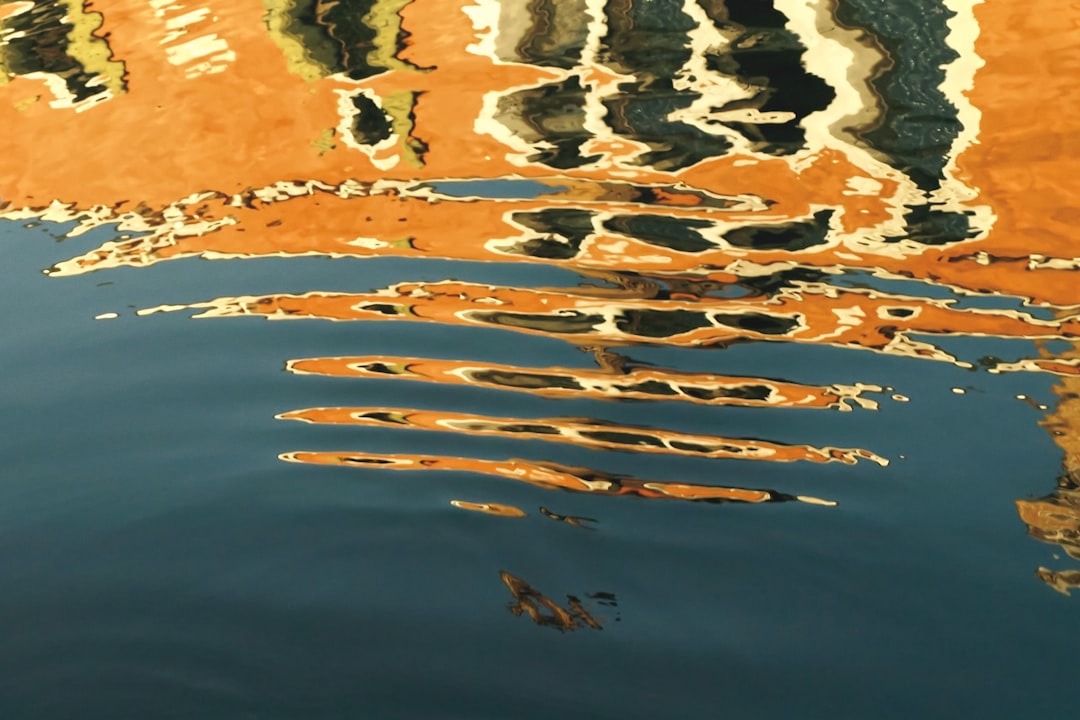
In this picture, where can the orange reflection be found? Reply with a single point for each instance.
(432, 75)
(806, 313)
(552, 476)
(585, 432)
(389, 97)
(638, 383)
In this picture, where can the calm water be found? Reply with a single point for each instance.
(643, 359)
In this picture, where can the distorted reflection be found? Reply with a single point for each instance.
(1055, 518)
(715, 172)
(545, 612)
(553, 476)
(621, 383)
(803, 312)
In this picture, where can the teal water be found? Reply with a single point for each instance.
(159, 561)
(158, 558)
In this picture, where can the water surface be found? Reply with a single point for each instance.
(626, 359)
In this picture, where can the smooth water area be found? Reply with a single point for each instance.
(712, 395)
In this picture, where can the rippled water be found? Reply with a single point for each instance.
(686, 359)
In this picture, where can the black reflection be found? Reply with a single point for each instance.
(791, 236)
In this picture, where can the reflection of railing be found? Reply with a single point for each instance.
(718, 170)
(805, 312)
(585, 432)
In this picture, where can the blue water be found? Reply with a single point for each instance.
(159, 561)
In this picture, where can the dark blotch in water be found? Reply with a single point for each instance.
(696, 448)
(552, 114)
(757, 322)
(651, 387)
(385, 417)
(528, 429)
(566, 229)
(622, 438)
(674, 233)
(525, 380)
(782, 236)
(573, 323)
(772, 284)
(929, 225)
(381, 308)
(660, 323)
(743, 392)
(379, 367)
(371, 125)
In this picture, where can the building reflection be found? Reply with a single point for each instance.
(716, 171)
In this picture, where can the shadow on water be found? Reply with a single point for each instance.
(804, 179)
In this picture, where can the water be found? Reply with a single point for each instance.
(688, 360)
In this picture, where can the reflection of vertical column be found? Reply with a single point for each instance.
(910, 65)
(353, 40)
(731, 76)
(663, 84)
(356, 38)
(750, 47)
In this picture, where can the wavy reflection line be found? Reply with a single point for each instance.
(804, 313)
(584, 432)
(635, 383)
(553, 476)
